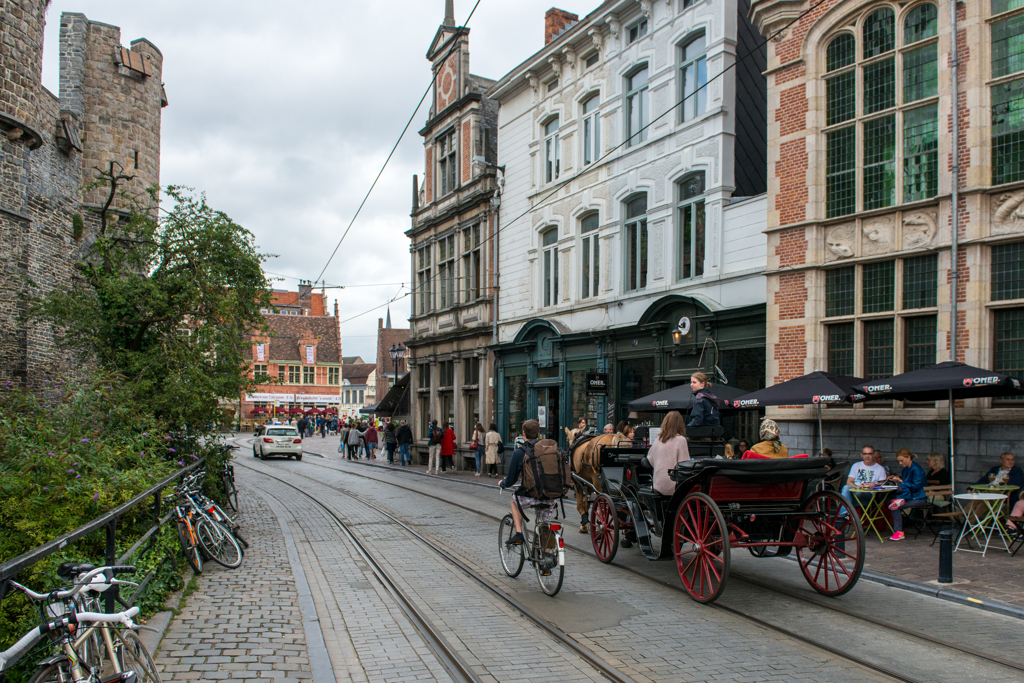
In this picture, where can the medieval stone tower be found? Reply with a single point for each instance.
(109, 110)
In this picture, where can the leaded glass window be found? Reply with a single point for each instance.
(840, 348)
(841, 53)
(879, 287)
(921, 153)
(921, 281)
(878, 348)
(1006, 5)
(879, 86)
(919, 342)
(841, 172)
(921, 73)
(1008, 271)
(879, 32)
(1008, 132)
(1008, 46)
(879, 163)
(921, 22)
(1009, 338)
(839, 292)
(842, 98)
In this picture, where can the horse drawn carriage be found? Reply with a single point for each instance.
(770, 507)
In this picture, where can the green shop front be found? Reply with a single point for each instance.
(556, 376)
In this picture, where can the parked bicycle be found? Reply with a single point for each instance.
(228, 477)
(91, 646)
(543, 547)
(201, 535)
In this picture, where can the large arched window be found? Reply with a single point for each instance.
(690, 234)
(638, 105)
(590, 256)
(636, 242)
(693, 76)
(549, 264)
(884, 138)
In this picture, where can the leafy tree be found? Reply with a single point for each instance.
(165, 301)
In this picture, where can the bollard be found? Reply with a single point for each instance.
(946, 556)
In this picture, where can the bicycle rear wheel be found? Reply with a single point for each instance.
(132, 655)
(231, 493)
(192, 556)
(219, 543)
(50, 674)
(549, 572)
(511, 555)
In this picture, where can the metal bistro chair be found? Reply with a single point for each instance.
(1016, 535)
(939, 512)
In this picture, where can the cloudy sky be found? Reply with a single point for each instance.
(283, 113)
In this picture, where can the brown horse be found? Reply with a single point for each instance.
(586, 463)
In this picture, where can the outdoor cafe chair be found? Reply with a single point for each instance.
(939, 512)
(1016, 535)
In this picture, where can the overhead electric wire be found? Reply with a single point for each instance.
(458, 34)
(558, 186)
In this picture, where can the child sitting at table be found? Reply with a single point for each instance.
(912, 481)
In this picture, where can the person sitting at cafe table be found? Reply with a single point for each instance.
(1005, 474)
(911, 494)
(937, 471)
(770, 446)
(863, 474)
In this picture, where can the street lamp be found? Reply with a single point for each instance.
(397, 353)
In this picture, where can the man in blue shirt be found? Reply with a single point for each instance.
(531, 432)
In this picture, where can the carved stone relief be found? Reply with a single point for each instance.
(879, 234)
(840, 241)
(1008, 212)
(920, 228)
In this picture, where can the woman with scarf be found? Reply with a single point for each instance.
(705, 404)
(770, 446)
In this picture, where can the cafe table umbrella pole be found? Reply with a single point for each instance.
(952, 445)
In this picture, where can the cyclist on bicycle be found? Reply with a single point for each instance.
(531, 433)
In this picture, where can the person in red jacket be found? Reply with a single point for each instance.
(447, 448)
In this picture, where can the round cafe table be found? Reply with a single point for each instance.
(981, 519)
(874, 510)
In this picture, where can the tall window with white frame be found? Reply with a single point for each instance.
(590, 256)
(471, 263)
(424, 302)
(591, 130)
(636, 243)
(638, 104)
(549, 264)
(690, 232)
(693, 76)
(447, 163)
(446, 270)
(1008, 92)
(552, 153)
(878, 112)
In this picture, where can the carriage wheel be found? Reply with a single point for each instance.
(604, 528)
(833, 556)
(701, 544)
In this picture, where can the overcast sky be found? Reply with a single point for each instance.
(283, 113)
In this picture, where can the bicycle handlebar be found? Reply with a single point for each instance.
(10, 656)
(85, 582)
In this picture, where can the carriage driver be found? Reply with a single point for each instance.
(531, 432)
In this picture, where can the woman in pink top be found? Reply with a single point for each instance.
(667, 451)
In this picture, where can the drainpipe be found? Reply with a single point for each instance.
(955, 195)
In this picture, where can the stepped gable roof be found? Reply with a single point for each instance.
(357, 373)
(289, 329)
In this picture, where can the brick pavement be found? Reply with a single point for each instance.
(243, 623)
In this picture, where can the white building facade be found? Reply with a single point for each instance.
(633, 148)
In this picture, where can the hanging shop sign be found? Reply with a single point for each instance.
(597, 383)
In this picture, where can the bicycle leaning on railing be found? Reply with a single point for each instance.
(205, 531)
(227, 475)
(543, 546)
(91, 646)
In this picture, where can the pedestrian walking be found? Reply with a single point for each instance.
(434, 438)
(448, 448)
(405, 439)
(370, 437)
(493, 447)
(390, 442)
(355, 437)
(323, 428)
(477, 446)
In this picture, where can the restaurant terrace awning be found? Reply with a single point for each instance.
(392, 401)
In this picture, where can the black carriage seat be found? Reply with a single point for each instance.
(70, 569)
(705, 432)
(780, 471)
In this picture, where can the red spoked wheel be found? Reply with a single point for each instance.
(831, 555)
(701, 544)
(604, 528)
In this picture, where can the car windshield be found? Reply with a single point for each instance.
(282, 432)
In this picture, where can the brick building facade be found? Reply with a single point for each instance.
(108, 110)
(452, 249)
(860, 180)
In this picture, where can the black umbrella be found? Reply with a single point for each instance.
(943, 382)
(679, 398)
(816, 388)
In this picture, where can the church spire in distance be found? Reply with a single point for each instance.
(449, 13)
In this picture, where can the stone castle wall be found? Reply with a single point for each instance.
(112, 111)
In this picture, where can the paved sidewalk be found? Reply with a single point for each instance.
(241, 623)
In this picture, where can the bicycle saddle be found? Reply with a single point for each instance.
(70, 569)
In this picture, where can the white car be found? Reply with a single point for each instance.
(277, 440)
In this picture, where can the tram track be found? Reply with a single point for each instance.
(453, 663)
(900, 629)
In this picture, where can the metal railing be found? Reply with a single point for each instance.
(107, 521)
